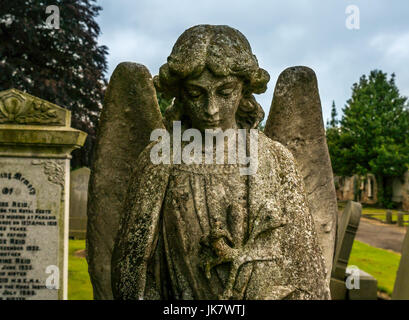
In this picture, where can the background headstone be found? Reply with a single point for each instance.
(368, 288)
(389, 217)
(401, 219)
(35, 145)
(78, 202)
(401, 288)
(347, 228)
(295, 120)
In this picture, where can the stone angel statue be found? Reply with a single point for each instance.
(206, 231)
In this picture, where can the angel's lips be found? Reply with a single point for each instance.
(212, 123)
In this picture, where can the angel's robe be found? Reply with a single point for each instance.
(171, 209)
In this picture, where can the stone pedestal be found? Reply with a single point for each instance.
(35, 145)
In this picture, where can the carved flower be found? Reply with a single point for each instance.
(11, 106)
(16, 108)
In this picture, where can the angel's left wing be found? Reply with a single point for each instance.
(295, 120)
(129, 115)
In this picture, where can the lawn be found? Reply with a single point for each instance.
(380, 215)
(376, 213)
(79, 284)
(382, 264)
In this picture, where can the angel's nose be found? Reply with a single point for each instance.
(212, 107)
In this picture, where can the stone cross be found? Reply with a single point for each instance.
(36, 140)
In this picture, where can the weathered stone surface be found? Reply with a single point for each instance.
(35, 145)
(295, 120)
(78, 202)
(46, 134)
(205, 231)
(281, 258)
(347, 229)
(24, 109)
(401, 288)
(129, 115)
(36, 210)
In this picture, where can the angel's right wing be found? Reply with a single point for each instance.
(129, 115)
(295, 120)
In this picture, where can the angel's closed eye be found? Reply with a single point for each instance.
(194, 92)
(227, 89)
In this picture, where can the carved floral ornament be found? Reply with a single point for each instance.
(20, 108)
(54, 170)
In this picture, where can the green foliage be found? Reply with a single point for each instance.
(163, 102)
(64, 66)
(333, 122)
(373, 135)
(261, 126)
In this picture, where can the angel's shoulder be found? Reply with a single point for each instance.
(273, 149)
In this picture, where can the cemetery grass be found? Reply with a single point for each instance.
(380, 214)
(79, 284)
(380, 263)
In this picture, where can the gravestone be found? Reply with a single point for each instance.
(368, 287)
(401, 288)
(389, 217)
(347, 229)
(78, 202)
(401, 219)
(35, 145)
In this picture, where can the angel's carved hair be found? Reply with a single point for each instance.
(224, 51)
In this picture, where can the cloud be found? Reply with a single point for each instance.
(394, 47)
(281, 33)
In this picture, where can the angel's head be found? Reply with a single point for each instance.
(212, 74)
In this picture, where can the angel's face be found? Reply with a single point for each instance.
(211, 102)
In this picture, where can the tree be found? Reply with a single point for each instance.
(333, 122)
(373, 135)
(64, 66)
(163, 102)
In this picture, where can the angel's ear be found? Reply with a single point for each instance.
(129, 115)
(295, 120)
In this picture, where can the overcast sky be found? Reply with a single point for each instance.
(282, 34)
